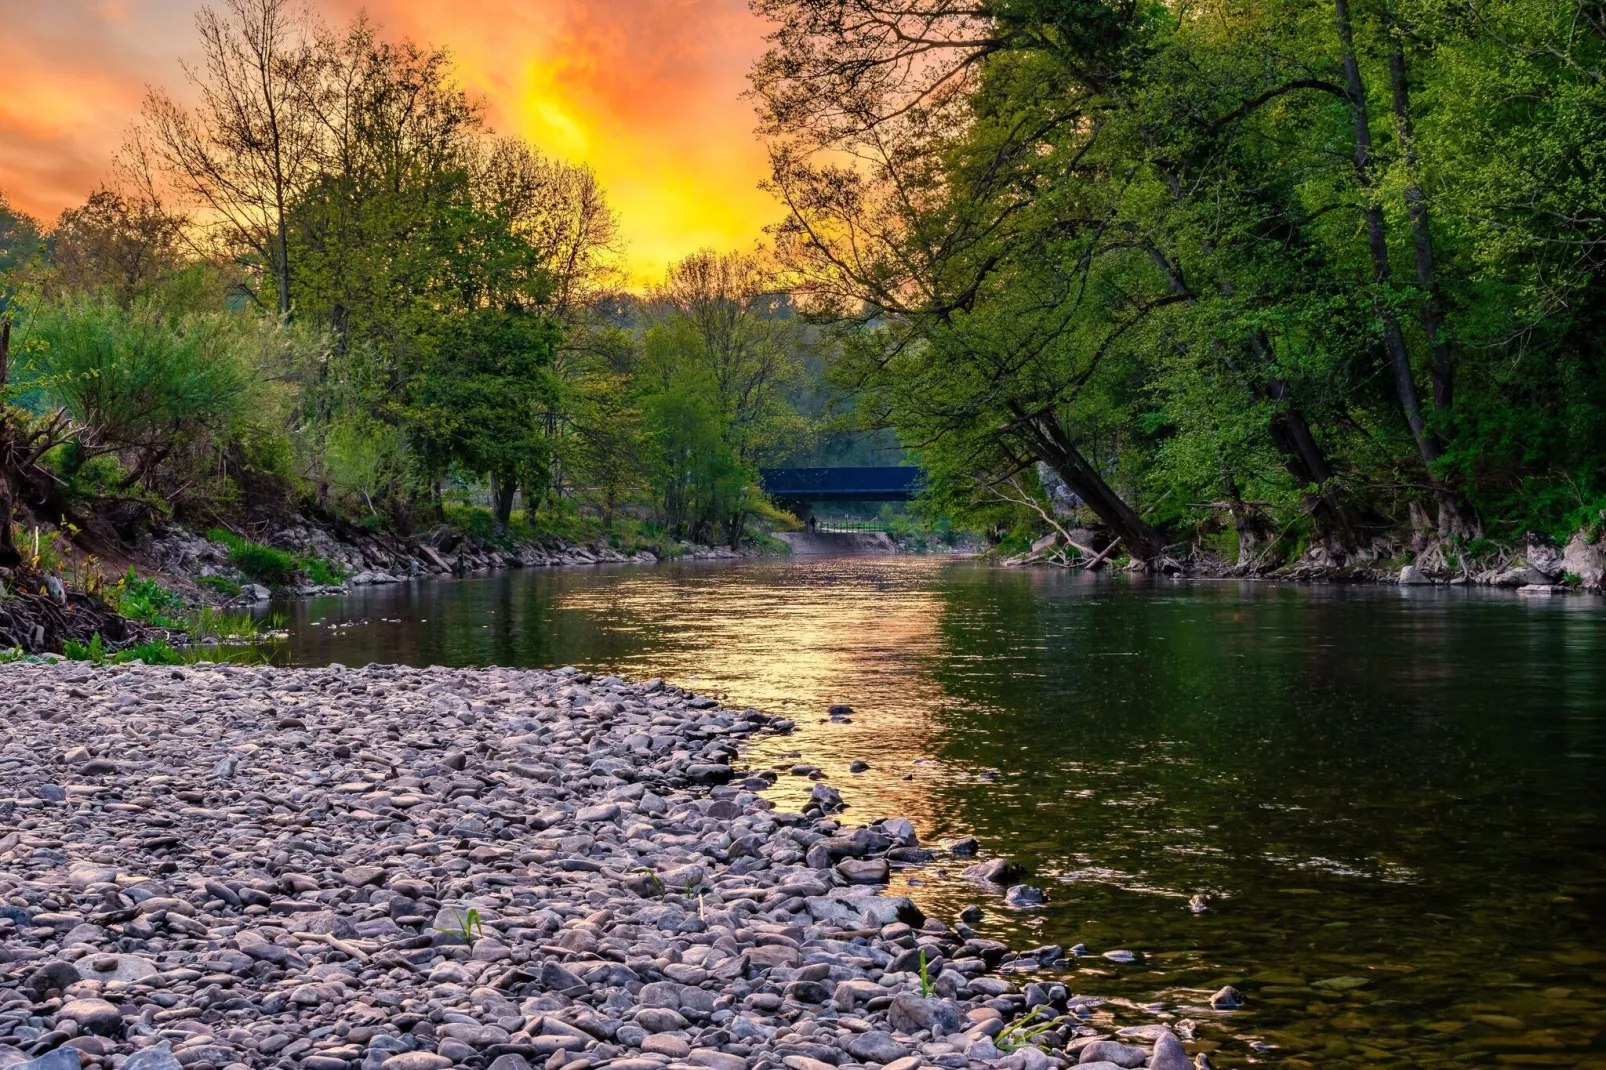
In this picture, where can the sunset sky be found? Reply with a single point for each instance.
(648, 92)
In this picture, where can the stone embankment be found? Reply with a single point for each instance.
(218, 868)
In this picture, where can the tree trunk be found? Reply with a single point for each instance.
(1247, 522)
(1416, 209)
(502, 492)
(1455, 516)
(1399, 357)
(1055, 448)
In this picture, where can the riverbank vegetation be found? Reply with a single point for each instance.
(1290, 280)
(1222, 285)
(329, 286)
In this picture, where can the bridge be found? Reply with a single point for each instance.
(893, 483)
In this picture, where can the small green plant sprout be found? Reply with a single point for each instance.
(656, 883)
(1022, 1033)
(925, 979)
(468, 929)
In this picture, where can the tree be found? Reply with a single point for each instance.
(117, 243)
(244, 155)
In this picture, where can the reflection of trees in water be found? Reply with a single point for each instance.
(1293, 730)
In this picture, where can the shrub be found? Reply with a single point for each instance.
(262, 564)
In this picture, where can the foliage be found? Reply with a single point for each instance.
(1326, 272)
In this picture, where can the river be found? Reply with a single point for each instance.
(1392, 800)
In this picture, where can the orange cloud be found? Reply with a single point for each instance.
(647, 92)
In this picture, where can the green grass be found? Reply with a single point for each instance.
(221, 584)
(273, 567)
(142, 599)
(157, 652)
(266, 565)
(1022, 1033)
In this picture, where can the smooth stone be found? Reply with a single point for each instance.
(1113, 1051)
(1169, 1054)
(92, 1015)
(716, 1060)
(660, 1020)
(158, 1058)
(876, 1048)
(416, 1060)
(864, 870)
(1023, 895)
(666, 1044)
(55, 974)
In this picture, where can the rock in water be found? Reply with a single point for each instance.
(1169, 1054)
(1024, 895)
(1411, 576)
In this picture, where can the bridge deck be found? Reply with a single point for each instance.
(892, 483)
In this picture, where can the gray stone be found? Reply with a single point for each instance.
(910, 1013)
(1169, 1054)
(60, 1059)
(1112, 1051)
(416, 1060)
(92, 1016)
(1584, 559)
(1024, 895)
(158, 1058)
(1411, 576)
(105, 968)
(55, 974)
(660, 1020)
(994, 871)
(864, 870)
(876, 1048)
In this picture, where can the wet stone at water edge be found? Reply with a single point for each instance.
(219, 868)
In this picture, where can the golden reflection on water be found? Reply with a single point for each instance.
(841, 633)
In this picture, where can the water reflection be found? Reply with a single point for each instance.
(1392, 798)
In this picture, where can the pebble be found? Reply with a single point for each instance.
(390, 868)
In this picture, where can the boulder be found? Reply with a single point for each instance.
(1411, 576)
(1521, 576)
(1584, 559)
(1544, 558)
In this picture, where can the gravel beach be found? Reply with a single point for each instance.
(386, 868)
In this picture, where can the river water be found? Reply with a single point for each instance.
(1393, 800)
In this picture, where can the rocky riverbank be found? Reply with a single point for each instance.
(218, 868)
(1532, 566)
(373, 559)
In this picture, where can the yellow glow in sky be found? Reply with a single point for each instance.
(647, 92)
